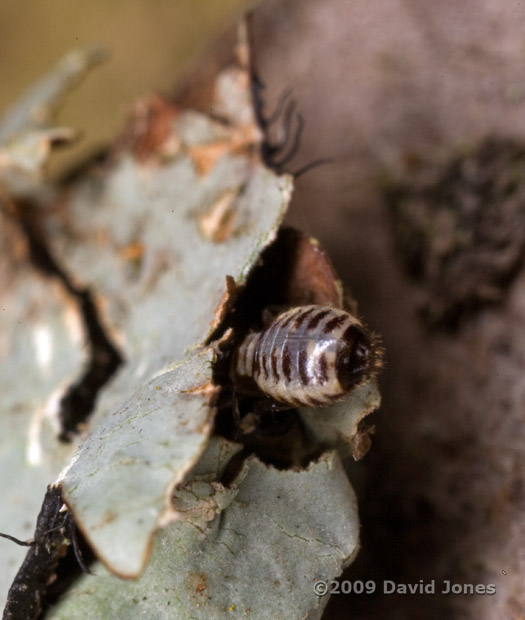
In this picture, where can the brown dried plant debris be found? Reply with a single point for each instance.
(149, 130)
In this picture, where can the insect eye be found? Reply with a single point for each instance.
(353, 361)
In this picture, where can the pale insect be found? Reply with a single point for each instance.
(309, 355)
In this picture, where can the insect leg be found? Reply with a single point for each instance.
(71, 532)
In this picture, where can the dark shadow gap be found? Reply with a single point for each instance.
(78, 402)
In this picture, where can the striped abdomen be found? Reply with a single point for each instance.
(310, 355)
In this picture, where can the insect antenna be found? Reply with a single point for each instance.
(296, 139)
(313, 164)
(283, 114)
(23, 543)
(265, 123)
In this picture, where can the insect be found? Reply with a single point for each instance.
(310, 355)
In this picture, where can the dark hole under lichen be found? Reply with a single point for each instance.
(79, 400)
(279, 281)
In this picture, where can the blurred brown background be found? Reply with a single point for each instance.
(382, 85)
(150, 44)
